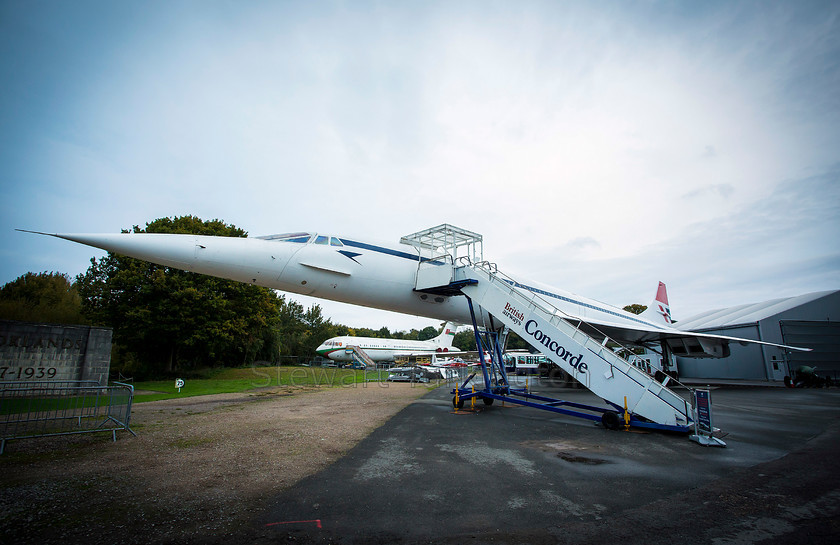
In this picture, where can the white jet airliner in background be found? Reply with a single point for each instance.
(379, 349)
(383, 275)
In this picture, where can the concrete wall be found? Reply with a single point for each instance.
(30, 351)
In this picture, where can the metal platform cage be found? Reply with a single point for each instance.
(449, 240)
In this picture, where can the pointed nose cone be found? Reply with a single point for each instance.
(164, 249)
(249, 260)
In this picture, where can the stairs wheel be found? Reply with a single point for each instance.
(488, 400)
(611, 420)
(458, 403)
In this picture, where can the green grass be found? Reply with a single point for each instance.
(60, 407)
(217, 381)
(226, 381)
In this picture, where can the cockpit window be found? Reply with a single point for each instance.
(301, 238)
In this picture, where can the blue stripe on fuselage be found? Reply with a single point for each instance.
(380, 249)
(587, 305)
(389, 251)
(413, 257)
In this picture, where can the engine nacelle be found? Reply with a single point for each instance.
(697, 347)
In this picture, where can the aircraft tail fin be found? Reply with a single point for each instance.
(659, 311)
(447, 335)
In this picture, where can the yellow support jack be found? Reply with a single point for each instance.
(626, 416)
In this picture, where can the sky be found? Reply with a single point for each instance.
(600, 147)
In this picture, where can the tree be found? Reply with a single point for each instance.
(465, 340)
(515, 342)
(318, 329)
(43, 297)
(636, 308)
(290, 328)
(171, 319)
(427, 333)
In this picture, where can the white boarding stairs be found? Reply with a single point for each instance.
(542, 325)
(360, 355)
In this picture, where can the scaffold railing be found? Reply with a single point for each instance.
(446, 239)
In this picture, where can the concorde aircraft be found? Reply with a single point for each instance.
(384, 275)
(379, 349)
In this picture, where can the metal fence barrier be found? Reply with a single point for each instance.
(49, 408)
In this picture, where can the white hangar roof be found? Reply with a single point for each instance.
(747, 314)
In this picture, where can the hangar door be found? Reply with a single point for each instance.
(823, 337)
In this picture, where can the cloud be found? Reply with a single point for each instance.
(780, 245)
(720, 190)
(582, 243)
(577, 138)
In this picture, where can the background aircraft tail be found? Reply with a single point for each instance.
(659, 311)
(447, 335)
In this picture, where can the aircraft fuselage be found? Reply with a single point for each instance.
(376, 275)
(344, 270)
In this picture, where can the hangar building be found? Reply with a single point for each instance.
(811, 321)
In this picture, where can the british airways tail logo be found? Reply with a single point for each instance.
(665, 312)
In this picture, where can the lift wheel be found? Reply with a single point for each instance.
(611, 420)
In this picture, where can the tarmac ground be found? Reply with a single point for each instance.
(512, 474)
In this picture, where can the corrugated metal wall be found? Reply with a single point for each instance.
(822, 336)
